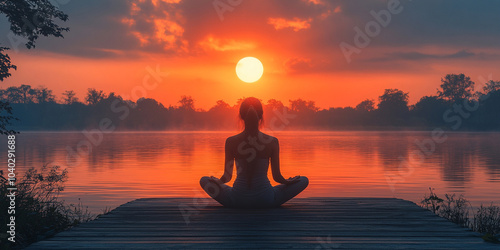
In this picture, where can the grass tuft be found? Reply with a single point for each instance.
(486, 220)
(39, 213)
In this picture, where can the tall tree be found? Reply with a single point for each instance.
(186, 102)
(44, 95)
(220, 105)
(300, 105)
(27, 93)
(491, 86)
(393, 106)
(430, 109)
(393, 97)
(274, 104)
(366, 106)
(5, 64)
(149, 105)
(28, 20)
(69, 97)
(13, 95)
(94, 96)
(455, 88)
(6, 118)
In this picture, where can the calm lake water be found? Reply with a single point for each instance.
(129, 165)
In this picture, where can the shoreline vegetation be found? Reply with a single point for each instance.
(457, 209)
(39, 212)
(454, 107)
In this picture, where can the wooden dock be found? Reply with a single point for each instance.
(307, 223)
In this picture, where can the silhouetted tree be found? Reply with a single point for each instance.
(304, 112)
(220, 116)
(274, 104)
(94, 96)
(366, 106)
(489, 111)
(148, 104)
(147, 113)
(300, 105)
(28, 19)
(430, 110)
(186, 102)
(32, 18)
(22, 94)
(363, 114)
(44, 95)
(393, 107)
(5, 64)
(220, 105)
(105, 101)
(271, 111)
(13, 95)
(27, 93)
(6, 118)
(69, 97)
(455, 88)
(491, 86)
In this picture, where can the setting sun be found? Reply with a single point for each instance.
(249, 69)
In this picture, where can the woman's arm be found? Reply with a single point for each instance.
(228, 162)
(275, 164)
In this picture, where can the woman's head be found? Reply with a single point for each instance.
(251, 113)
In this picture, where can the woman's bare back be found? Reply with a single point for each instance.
(249, 146)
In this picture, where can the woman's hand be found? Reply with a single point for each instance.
(292, 180)
(217, 180)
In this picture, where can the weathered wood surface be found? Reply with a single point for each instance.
(307, 223)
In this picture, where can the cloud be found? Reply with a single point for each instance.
(212, 43)
(157, 23)
(417, 56)
(296, 24)
(318, 2)
(156, 2)
(117, 28)
(298, 65)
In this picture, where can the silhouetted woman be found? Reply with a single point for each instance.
(252, 150)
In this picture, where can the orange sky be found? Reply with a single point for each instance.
(112, 44)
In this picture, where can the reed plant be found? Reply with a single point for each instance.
(484, 220)
(39, 212)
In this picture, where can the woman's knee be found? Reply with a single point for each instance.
(204, 181)
(304, 181)
(210, 186)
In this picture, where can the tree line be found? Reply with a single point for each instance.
(455, 106)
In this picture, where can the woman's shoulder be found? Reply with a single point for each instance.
(234, 138)
(263, 137)
(268, 138)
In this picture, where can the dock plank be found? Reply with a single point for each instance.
(303, 223)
